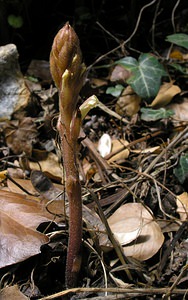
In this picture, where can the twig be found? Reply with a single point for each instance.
(102, 263)
(184, 269)
(173, 14)
(174, 27)
(124, 260)
(177, 236)
(153, 24)
(127, 40)
(172, 144)
(138, 291)
(108, 32)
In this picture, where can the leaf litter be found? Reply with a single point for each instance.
(136, 229)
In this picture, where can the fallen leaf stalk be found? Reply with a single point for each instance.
(68, 73)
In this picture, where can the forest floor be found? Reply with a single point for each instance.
(133, 168)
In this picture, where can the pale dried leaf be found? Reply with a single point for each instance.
(134, 228)
(129, 210)
(147, 150)
(116, 146)
(180, 110)
(15, 186)
(119, 282)
(24, 209)
(20, 216)
(53, 194)
(12, 292)
(17, 242)
(20, 136)
(148, 242)
(165, 95)
(40, 69)
(168, 225)
(182, 206)
(49, 163)
(127, 230)
(128, 103)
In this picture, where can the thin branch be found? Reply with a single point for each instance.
(137, 291)
(173, 15)
(127, 40)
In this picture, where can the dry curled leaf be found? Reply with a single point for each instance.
(133, 226)
(128, 103)
(20, 186)
(12, 292)
(180, 110)
(49, 163)
(20, 216)
(182, 206)
(20, 136)
(166, 93)
(148, 242)
(117, 147)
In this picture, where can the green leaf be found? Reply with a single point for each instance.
(180, 39)
(181, 171)
(115, 91)
(15, 21)
(146, 74)
(149, 114)
(179, 68)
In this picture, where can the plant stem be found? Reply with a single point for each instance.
(73, 189)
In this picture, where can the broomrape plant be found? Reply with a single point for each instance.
(68, 72)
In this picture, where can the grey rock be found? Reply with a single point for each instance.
(14, 94)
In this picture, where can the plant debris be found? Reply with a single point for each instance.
(127, 136)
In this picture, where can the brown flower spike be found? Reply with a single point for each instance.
(68, 73)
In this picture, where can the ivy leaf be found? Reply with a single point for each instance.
(179, 68)
(180, 39)
(15, 21)
(115, 91)
(149, 114)
(146, 74)
(181, 171)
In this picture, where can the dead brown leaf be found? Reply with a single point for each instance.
(53, 194)
(180, 110)
(25, 209)
(21, 135)
(182, 206)
(18, 185)
(147, 243)
(116, 146)
(128, 103)
(12, 292)
(133, 226)
(119, 74)
(166, 93)
(17, 241)
(49, 163)
(40, 69)
(20, 216)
